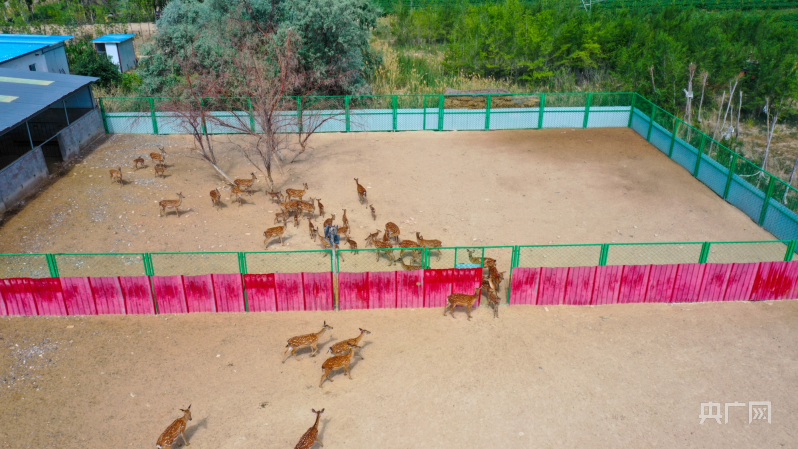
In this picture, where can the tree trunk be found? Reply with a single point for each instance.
(771, 130)
(223, 174)
(704, 76)
(789, 183)
(739, 108)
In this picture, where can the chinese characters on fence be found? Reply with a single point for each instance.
(756, 410)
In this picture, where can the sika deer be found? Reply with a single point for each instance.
(373, 212)
(159, 170)
(410, 267)
(495, 276)
(384, 247)
(171, 203)
(461, 299)
(281, 216)
(352, 243)
(291, 193)
(116, 175)
(138, 161)
(392, 231)
(479, 260)
(270, 233)
(409, 244)
(311, 436)
(306, 207)
(342, 347)
(276, 196)
(177, 428)
(245, 184)
(313, 230)
(361, 192)
(290, 206)
(328, 222)
(234, 190)
(493, 298)
(344, 220)
(158, 157)
(338, 361)
(428, 243)
(216, 198)
(321, 207)
(301, 341)
(371, 238)
(296, 220)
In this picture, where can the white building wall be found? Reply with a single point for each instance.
(51, 60)
(57, 60)
(113, 52)
(23, 62)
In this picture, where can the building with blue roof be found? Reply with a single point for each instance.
(119, 47)
(36, 53)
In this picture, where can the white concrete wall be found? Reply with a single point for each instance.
(52, 59)
(23, 62)
(113, 52)
(57, 60)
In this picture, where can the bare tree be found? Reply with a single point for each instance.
(312, 118)
(739, 109)
(688, 109)
(704, 76)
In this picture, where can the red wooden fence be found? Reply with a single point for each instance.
(395, 289)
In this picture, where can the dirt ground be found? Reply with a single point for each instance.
(607, 376)
(463, 188)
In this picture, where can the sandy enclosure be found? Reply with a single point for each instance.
(608, 376)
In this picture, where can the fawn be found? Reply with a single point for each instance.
(290, 193)
(391, 230)
(245, 184)
(409, 244)
(281, 216)
(481, 261)
(306, 207)
(329, 221)
(276, 231)
(493, 298)
(361, 192)
(276, 196)
(159, 157)
(344, 220)
(216, 198)
(171, 203)
(321, 207)
(301, 341)
(296, 220)
(290, 206)
(138, 161)
(338, 361)
(177, 428)
(116, 175)
(461, 299)
(373, 212)
(313, 230)
(159, 169)
(410, 267)
(342, 347)
(352, 243)
(311, 436)
(495, 276)
(235, 190)
(386, 248)
(428, 243)
(372, 237)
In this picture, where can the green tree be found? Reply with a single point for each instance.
(84, 60)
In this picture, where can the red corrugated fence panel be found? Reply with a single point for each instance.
(437, 286)
(290, 296)
(229, 291)
(713, 287)
(634, 282)
(552, 285)
(741, 281)
(775, 280)
(169, 294)
(200, 295)
(661, 280)
(3, 310)
(579, 286)
(410, 289)
(138, 294)
(48, 296)
(353, 291)
(382, 290)
(525, 286)
(78, 297)
(607, 285)
(687, 287)
(107, 296)
(260, 292)
(18, 297)
(318, 291)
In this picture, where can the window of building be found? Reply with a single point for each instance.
(32, 67)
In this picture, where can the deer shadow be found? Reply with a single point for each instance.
(190, 431)
(323, 427)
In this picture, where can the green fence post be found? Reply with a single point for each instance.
(699, 154)
(487, 112)
(424, 105)
(251, 115)
(587, 109)
(105, 119)
(441, 102)
(732, 167)
(299, 114)
(154, 118)
(52, 265)
(790, 250)
(766, 203)
(632, 110)
(148, 269)
(673, 137)
(242, 268)
(605, 249)
(540, 111)
(346, 111)
(394, 107)
(702, 258)
(651, 121)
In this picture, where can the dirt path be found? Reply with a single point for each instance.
(608, 376)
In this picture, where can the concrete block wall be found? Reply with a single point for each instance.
(79, 133)
(22, 178)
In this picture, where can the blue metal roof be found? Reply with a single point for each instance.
(16, 45)
(113, 38)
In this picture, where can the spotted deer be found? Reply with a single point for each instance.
(338, 361)
(361, 192)
(116, 175)
(138, 161)
(165, 204)
(245, 184)
(329, 221)
(352, 243)
(311, 436)
(321, 207)
(342, 347)
(177, 428)
(159, 170)
(314, 231)
(495, 276)
(385, 248)
(409, 267)
(294, 193)
(306, 207)
(301, 341)
(343, 230)
(373, 212)
(296, 220)
(158, 157)
(428, 243)
(371, 238)
(344, 220)
(479, 260)
(216, 198)
(235, 191)
(461, 299)
(493, 298)
(276, 196)
(290, 207)
(392, 231)
(270, 233)
(409, 244)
